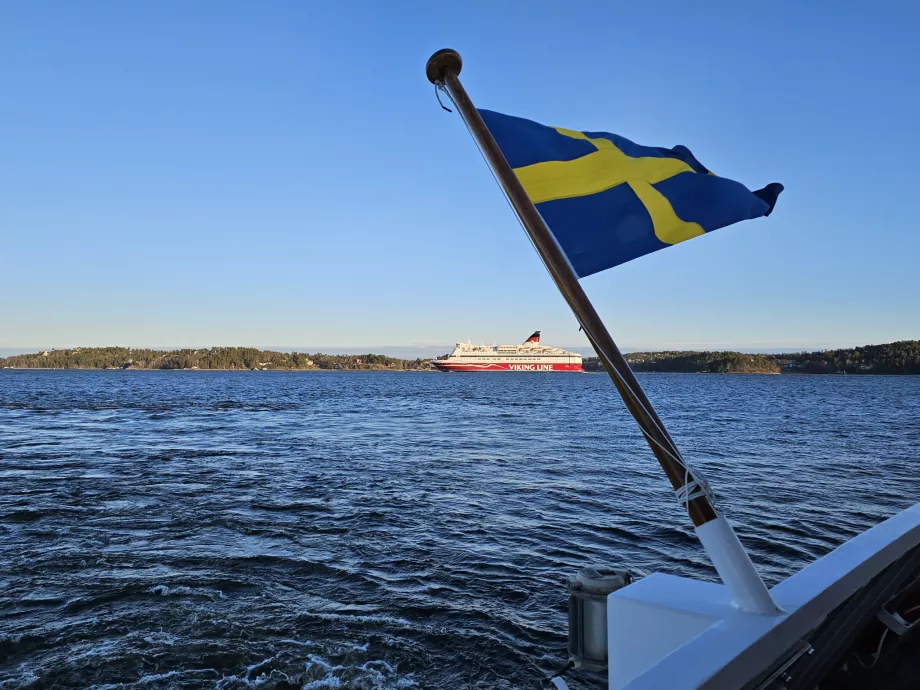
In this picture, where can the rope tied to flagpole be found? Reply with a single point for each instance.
(437, 89)
(695, 486)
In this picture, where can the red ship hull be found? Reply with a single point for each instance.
(444, 365)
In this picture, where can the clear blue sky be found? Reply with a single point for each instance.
(280, 174)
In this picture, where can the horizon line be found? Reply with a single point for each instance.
(691, 346)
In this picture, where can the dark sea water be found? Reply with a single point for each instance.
(392, 530)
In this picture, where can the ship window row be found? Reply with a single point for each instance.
(513, 357)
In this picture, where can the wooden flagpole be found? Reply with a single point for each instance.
(443, 71)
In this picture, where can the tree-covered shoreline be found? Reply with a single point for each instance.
(711, 362)
(215, 358)
(902, 357)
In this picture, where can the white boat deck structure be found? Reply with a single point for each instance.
(679, 633)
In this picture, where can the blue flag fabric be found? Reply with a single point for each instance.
(608, 200)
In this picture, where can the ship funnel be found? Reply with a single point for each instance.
(534, 338)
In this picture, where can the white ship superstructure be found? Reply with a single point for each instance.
(531, 355)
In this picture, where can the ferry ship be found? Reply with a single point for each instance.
(529, 356)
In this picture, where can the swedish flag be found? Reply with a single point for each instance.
(608, 200)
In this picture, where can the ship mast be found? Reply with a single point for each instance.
(718, 538)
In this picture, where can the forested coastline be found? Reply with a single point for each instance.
(203, 358)
(902, 357)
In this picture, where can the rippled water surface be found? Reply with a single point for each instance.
(392, 530)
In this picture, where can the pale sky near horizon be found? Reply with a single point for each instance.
(280, 174)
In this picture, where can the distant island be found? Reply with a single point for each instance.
(209, 358)
(902, 357)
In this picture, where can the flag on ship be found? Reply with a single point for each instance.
(608, 200)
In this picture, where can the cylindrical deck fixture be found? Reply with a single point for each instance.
(588, 615)
(747, 587)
